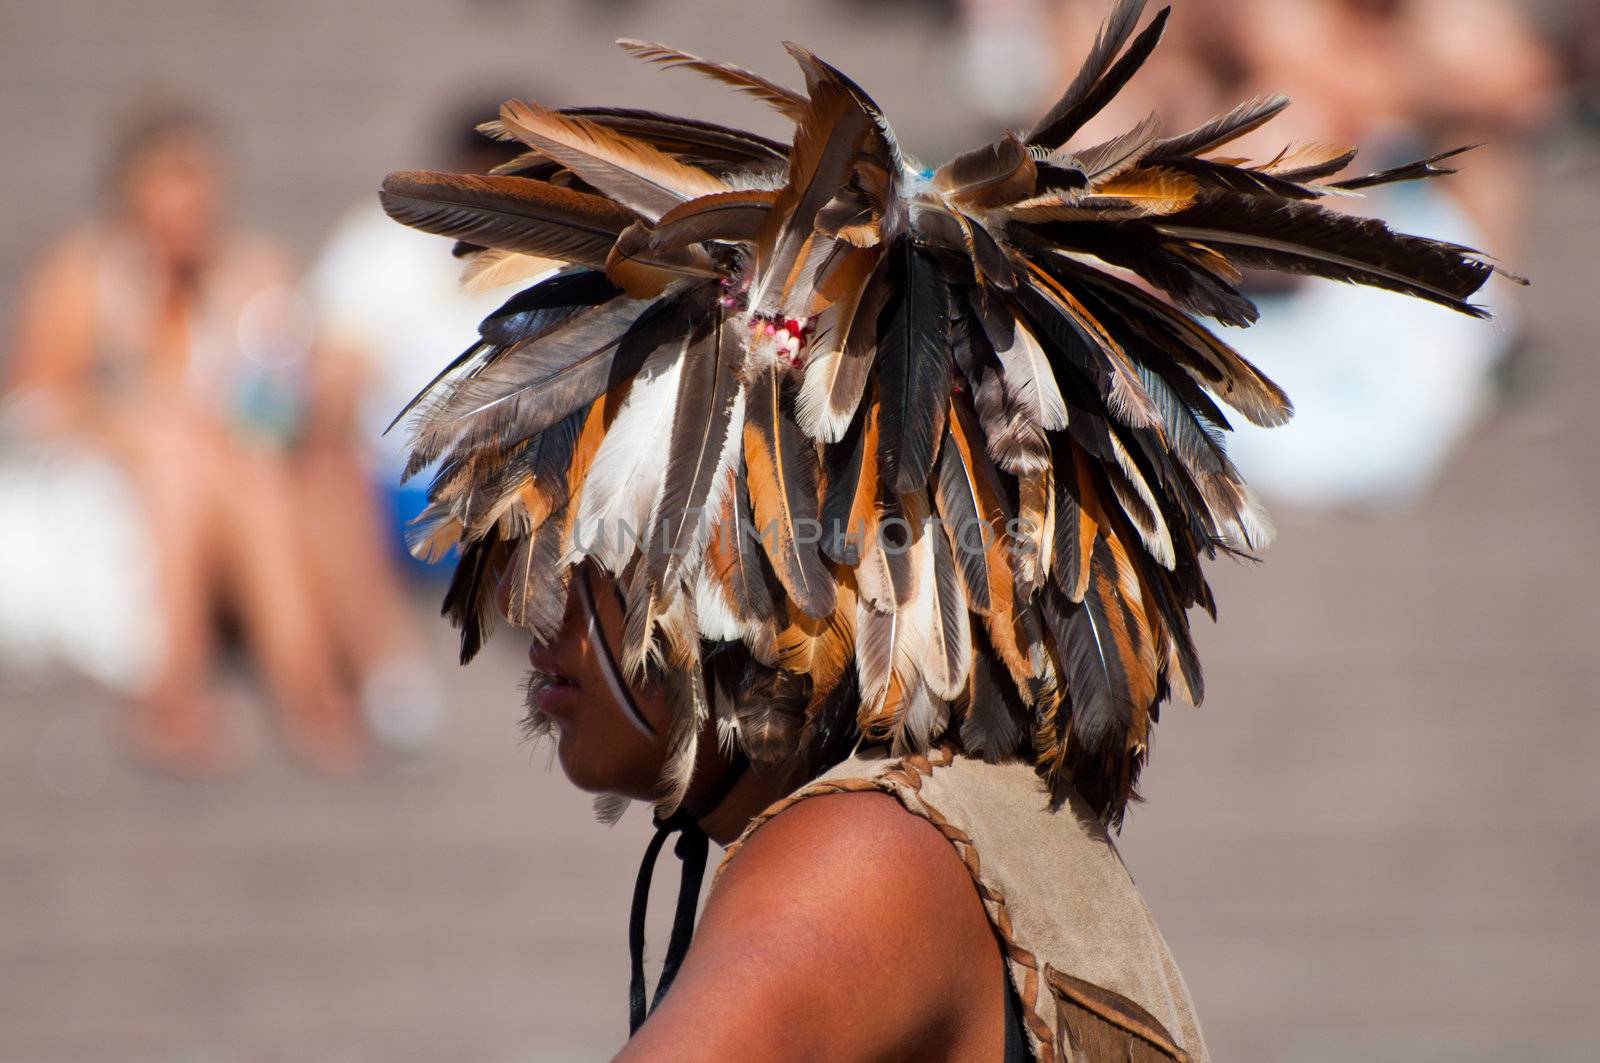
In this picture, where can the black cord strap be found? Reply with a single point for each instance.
(692, 849)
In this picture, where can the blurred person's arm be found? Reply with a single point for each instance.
(336, 374)
(50, 366)
(345, 302)
(337, 379)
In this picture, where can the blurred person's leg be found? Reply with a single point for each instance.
(363, 598)
(173, 471)
(276, 597)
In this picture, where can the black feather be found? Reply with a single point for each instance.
(842, 472)
(1074, 110)
(992, 728)
(468, 601)
(1413, 171)
(1107, 43)
(534, 311)
(1096, 679)
(913, 372)
(1306, 238)
(1242, 180)
(1194, 289)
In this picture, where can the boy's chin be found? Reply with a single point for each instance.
(584, 769)
(599, 771)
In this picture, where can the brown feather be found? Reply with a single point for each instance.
(781, 469)
(728, 216)
(636, 174)
(1126, 397)
(831, 130)
(785, 101)
(508, 213)
(989, 176)
(644, 272)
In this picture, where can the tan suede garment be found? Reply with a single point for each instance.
(1096, 980)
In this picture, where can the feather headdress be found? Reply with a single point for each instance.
(937, 452)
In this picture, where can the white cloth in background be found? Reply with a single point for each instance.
(393, 294)
(1384, 385)
(76, 591)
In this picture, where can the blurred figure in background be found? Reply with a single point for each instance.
(385, 299)
(389, 298)
(164, 338)
(1384, 387)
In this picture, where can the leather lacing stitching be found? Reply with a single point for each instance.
(908, 772)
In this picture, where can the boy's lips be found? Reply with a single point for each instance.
(555, 698)
(556, 690)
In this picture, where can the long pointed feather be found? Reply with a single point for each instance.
(843, 352)
(781, 467)
(638, 175)
(1071, 113)
(1414, 171)
(1305, 238)
(699, 452)
(511, 213)
(1108, 42)
(914, 373)
(785, 101)
(1247, 116)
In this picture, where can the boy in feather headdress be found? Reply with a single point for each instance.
(831, 488)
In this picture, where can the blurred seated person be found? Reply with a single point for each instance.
(1384, 389)
(162, 336)
(389, 298)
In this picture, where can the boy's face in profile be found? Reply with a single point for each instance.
(600, 748)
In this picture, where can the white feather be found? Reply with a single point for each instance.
(927, 613)
(1160, 542)
(1253, 529)
(872, 577)
(1028, 377)
(627, 473)
(721, 483)
(922, 715)
(872, 670)
(811, 405)
(718, 621)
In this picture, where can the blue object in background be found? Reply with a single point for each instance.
(404, 503)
